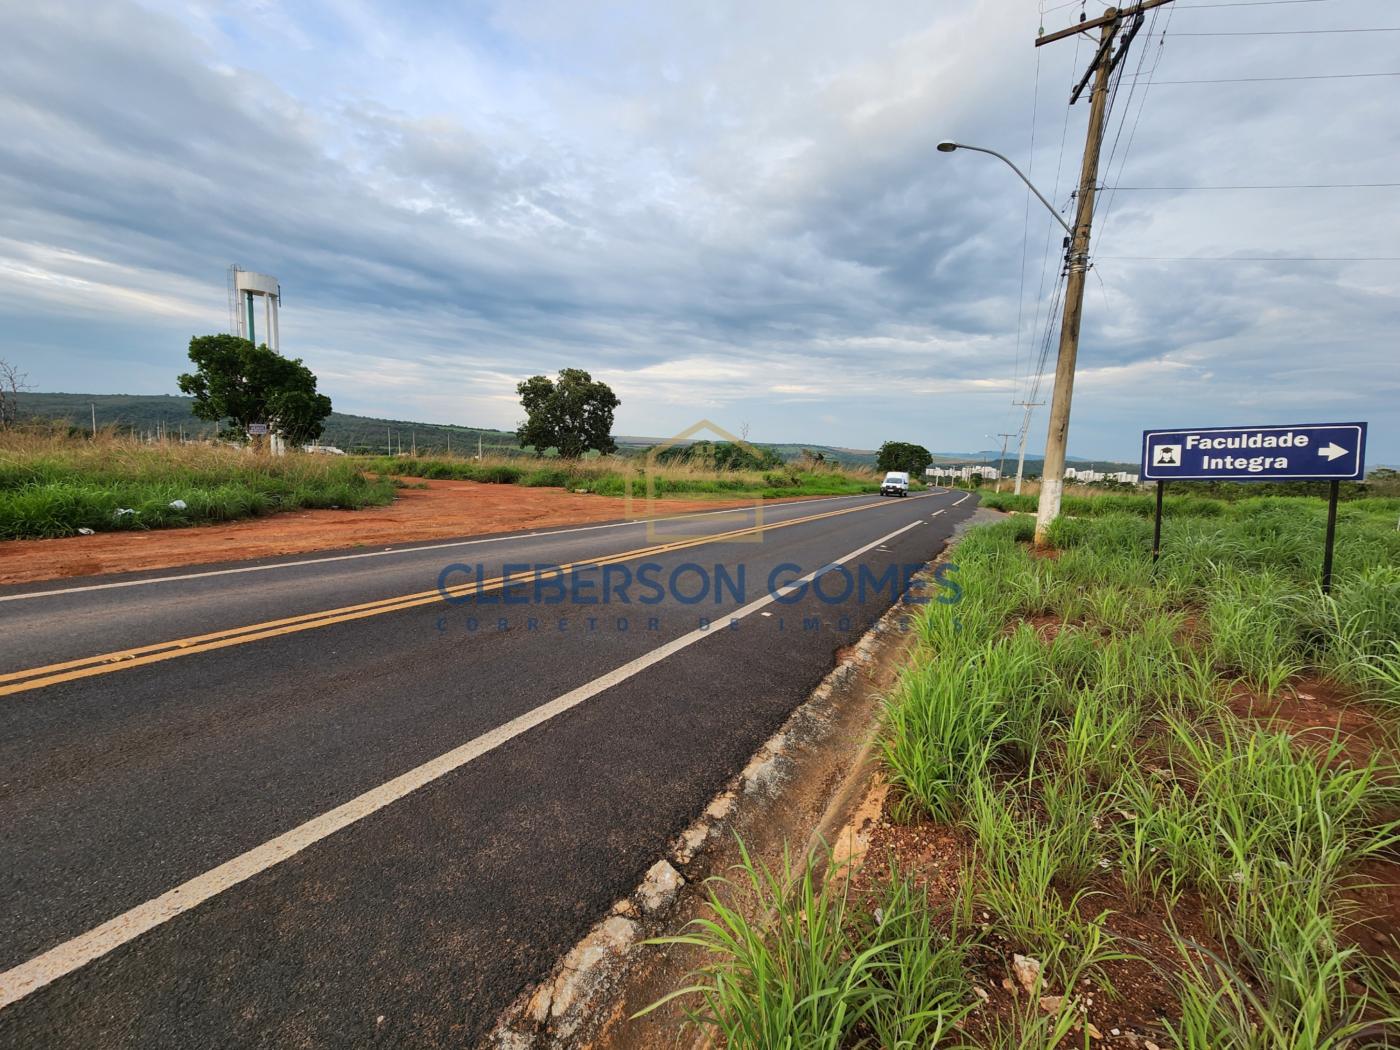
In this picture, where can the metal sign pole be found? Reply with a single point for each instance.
(1331, 537)
(1157, 525)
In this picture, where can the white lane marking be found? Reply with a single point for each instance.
(967, 497)
(43, 969)
(937, 512)
(390, 550)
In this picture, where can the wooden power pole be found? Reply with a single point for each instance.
(1106, 59)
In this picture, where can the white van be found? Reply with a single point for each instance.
(896, 483)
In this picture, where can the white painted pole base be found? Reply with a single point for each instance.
(1048, 509)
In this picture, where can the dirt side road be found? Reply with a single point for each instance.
(443, 509)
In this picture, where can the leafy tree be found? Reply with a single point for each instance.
(572, 415)
(901, 455)
(237, 381)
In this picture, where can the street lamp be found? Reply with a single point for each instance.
(948, 147)
(1077, 259)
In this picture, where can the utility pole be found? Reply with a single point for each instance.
(93, 406)
(1101, 69)
(1001, 463)
(1025, 426)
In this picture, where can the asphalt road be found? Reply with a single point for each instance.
(312, 802)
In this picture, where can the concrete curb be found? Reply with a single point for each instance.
(584, 995)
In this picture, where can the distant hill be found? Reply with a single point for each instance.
(150, 413)
(850, 456)
(1034, 464)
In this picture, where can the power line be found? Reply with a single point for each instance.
(1273, 186)
(1132, 135)
(1262, 80)
(1294, 32)
(1026, 227)
(1035, 381)
(1244, 3)
(1058, 7)
(1251, 258)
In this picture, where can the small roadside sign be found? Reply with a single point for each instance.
(1305, 451)
(257, 428)
(1334, 452)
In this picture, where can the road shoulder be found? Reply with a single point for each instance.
(805, 787)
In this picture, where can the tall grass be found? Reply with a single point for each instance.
(1071, 716)
(1105, 760)
(54, 486)
(795, 966)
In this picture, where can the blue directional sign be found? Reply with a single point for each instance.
(1304, 451)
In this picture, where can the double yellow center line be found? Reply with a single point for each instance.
(106, 663)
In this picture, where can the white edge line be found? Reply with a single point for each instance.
(967, 497)
(398, 550)
(71, 955)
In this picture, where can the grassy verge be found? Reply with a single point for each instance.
(55, 486)
(1085, 503)
(611, 476)
(1093, 828)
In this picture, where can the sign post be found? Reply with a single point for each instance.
(1331, 536)
(1157, 524)
(1334, 452)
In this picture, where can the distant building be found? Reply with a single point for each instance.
(1087, 476)
(963, 473)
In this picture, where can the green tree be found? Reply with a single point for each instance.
(901, 455)
(572, 415)
(242, 383)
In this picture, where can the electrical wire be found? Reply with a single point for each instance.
(1263, 80)
(1255, 258)
(1132, 135)
(1244, 3)
(1293, 32)
(1273, 186)
(1026, 232)
(1050, 231)
(1127, 108)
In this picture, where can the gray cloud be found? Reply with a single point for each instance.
(723, 210)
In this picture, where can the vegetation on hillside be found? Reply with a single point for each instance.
(1114, 803)
(617, 476)
(137, 414)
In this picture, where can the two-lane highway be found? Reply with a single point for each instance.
(368, 797)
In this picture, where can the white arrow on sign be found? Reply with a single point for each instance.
(1332, 451)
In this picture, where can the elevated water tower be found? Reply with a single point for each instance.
(248, 294)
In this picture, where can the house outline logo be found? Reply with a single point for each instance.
(687, 435)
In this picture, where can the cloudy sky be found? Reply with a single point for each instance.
(724, 209)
